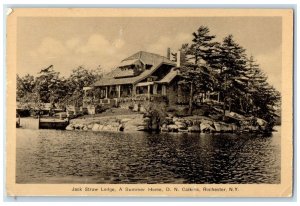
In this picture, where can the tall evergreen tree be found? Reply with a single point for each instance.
(202, 47)
(196, 70)
(198, 79)
(232, 72)
(263, 99)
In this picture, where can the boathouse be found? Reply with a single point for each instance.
(142, 76)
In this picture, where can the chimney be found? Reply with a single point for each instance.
(178, 59)
(169, 53)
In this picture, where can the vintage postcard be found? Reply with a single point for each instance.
(149, 102)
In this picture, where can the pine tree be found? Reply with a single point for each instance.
(263, 98)
(196, 70)
(202, 47)
(232, 70)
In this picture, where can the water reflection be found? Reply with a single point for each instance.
(49, 156)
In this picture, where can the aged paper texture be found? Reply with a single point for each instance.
(149, 102)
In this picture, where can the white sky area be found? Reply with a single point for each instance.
(70, 42)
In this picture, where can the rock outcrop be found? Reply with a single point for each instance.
(194, 124)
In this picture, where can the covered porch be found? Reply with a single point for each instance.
(107, 94)
(103, 94)
(149, 89)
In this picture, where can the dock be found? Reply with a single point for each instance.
(42, 123)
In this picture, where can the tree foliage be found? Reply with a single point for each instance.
(79, 78)
(223, 67)
(206, 66)
(196, 71)
(202, 45)
(25, 85)
(49, 87)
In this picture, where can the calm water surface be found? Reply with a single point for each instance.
(50, 156)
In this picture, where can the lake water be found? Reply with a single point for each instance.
(51, 156)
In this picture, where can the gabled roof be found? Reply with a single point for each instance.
(147, 58)
(169, 77)
(124, 73)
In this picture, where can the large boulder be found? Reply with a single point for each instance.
(217, 126)
(207, 121)
(108, 128)
(142, 109)
(70, 127)
(175, 119)
(194, 128)
(78, 126)
(173, 128)
(196, 122)
(135, 108)
(95, 127)
(103, 128)
(164, 128)
(181, 125)
(205, 127)
(100, 127)
(223, 127)
(164, 125)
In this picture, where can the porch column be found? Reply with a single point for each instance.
(163, 90)
(119, 91)
(149, 91)
(155, 89)
(133, 90)
(106, 91)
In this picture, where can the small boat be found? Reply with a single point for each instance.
(52, 123)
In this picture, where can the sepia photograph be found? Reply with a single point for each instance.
(114, 97)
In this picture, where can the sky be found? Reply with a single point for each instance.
(68, 42)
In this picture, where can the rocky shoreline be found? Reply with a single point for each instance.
(138, 122)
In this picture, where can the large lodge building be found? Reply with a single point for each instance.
(142, 76)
